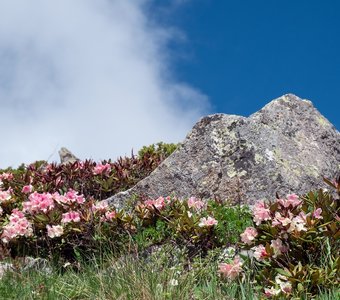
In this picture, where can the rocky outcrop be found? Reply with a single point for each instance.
(285, 147)
(66, 156)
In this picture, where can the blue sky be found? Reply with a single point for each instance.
(244, 53)
(107, 76)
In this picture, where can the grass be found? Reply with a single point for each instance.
(163, 274)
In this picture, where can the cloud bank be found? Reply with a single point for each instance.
(93, 76)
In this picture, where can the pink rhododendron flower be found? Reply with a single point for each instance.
(73, 196)
(1, 211)
(280, 220)
(110, 215)
(27, 189)
(102, 169)
(195, 203)
(159, 203)
(278, 247)
(102, 206)
(5, 196)
(231, 271)
(18, 226)
(207, 222)
(70, 197)
(6, 176)
(260, 252)
(261, 212)
(298, 223)
(271, 292)
(54, 231)
(39, 203)
(291, 200)
(249, 235)
(317, 213)
(285, 285)
(71, 216)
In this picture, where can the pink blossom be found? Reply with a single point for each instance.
(39, 202)
(280, 220)
(298, 223)
(271, 292)
(27, 189)
(71, 216)
(278, 247)
(54, 231)
(291, 200)
(261, 212)
(5, 196)
(70, 197)
(73, 196)
(110, 215)
(207, 222)
(159, 203)
(317, 213)
(6, 176)
(195, 203)
(285, 285)
(1, 211)
(102, 169)
(260, 252)
(102, 206)
(231, 271)
(18, 226)
(249, 235)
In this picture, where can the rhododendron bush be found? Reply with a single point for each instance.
(61, 224)
(293, 243)
(99, 180)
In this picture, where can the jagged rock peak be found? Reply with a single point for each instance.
(66, 156)
(285, 147)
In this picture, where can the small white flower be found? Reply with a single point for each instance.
(174, 282)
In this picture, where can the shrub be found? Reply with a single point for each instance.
(295, 244)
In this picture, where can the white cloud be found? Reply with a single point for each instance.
(93, 76)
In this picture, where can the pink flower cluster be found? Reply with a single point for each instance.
(282, 286)
(71, 216)
(5, 195)
(104, 209)
(27, 189)
(102, 169)
(261, 212)
(195, 203)
(159, 203)
(260, 252)
(232, 270)
(249, 235)
(6, 176)
(70, 197)
(101, 206)
(38, 202)
(291, 201)
(207, 222)
(54, 231)
(18, 226)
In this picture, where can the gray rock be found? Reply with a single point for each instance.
(66, 156)
(4, 268)
(285, 147)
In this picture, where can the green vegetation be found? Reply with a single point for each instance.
(164, 248)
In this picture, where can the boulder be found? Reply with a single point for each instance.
(66, 156)
(285, 147)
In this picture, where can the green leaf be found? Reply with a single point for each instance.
(284, 272)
